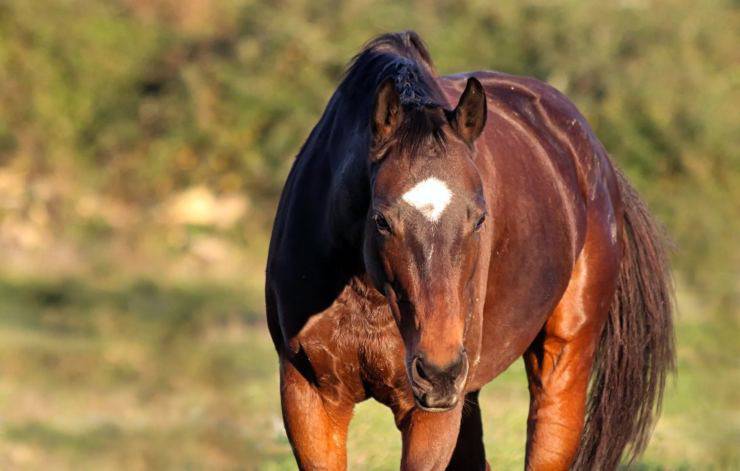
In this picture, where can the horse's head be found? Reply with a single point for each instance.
(422, 237)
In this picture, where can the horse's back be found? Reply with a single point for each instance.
(544, 114)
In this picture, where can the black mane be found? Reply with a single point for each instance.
(404, 58)
(400, 56)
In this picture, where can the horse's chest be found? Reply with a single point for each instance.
(355, 350)
(382, 365)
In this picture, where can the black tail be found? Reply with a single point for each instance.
(636, 350)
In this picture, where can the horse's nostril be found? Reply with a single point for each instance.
(428, 375)
(418, 369)
(459, 367)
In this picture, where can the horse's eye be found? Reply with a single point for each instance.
(479, 223)
(381, 224)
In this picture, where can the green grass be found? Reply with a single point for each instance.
(142, 376)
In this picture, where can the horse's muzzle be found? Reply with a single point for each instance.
(437, 389)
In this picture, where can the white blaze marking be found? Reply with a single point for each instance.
(430, 197)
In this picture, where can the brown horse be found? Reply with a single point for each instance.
(420, 248)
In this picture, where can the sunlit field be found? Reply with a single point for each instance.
(144, 376)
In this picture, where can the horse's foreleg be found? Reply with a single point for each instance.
(428, 438)
(317, 430)
(559, 363)
(469, 454)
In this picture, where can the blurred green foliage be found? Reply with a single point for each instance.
(137, 99)
(149, 139)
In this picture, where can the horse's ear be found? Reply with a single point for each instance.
(387, 113)
(469, 117)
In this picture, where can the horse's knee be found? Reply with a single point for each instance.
(429, 439)
(550, 459)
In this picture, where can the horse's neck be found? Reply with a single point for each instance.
(332, 192)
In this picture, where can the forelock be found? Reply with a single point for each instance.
(421, 131)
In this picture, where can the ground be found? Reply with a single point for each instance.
(143, 376)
